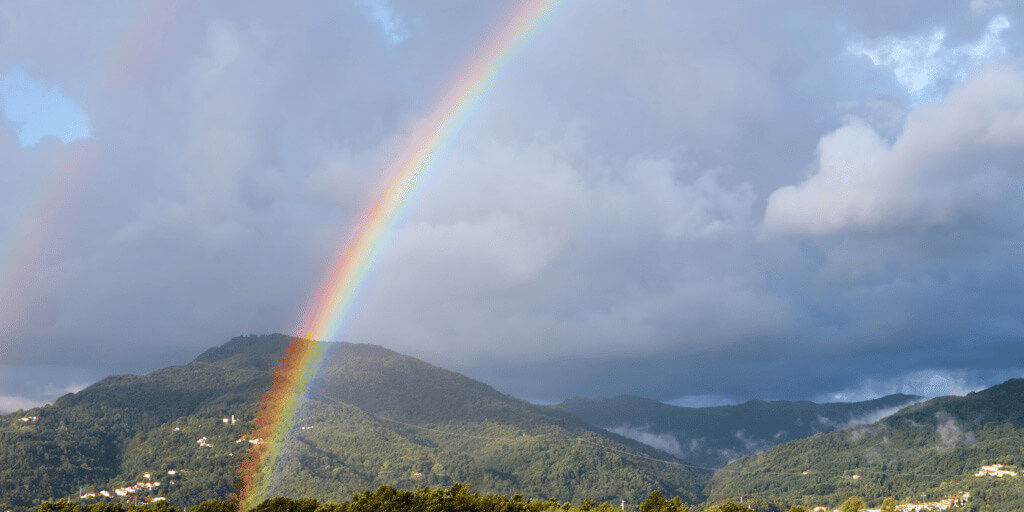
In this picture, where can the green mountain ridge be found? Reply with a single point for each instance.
(714, 436)
(927, 451)
(372, 417)
(375, 417)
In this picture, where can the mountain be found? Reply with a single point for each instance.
(926, 452)
(372, 417)
(713, 436)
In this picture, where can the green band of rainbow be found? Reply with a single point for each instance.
(300, 364)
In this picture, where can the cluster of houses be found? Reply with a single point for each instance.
(992, 470)
(29, 419)
(147, 484)
(141, 486)
(252, 440)
(996, 470)
(927, 506)
(205, 442)
(946, 504)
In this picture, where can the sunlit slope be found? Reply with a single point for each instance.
(931, 449)
(714, 436)
(374, 417)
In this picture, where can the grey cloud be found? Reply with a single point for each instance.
(598, 214)
(479, 237)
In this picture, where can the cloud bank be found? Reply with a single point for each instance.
(733, 200)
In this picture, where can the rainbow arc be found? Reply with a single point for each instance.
(331, 306)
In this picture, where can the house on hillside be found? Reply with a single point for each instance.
(996, 470)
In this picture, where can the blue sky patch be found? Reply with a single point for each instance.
(37, 110)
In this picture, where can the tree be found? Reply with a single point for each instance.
(728, 506)
(656, 502)
(282, 504)
(853, 504)
(677, 505)
(215, 506)
(888, 505)
(797, 508)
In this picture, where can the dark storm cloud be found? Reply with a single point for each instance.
(729, 199)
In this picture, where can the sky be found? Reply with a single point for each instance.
(697, 202)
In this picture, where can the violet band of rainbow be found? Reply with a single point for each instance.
(332, 304)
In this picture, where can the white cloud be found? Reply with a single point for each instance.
(862, 419)
(873, 416)
(921, 62)
(979, 6)
(9, 403)
(667, 443)
(38, 397)
(750, 443)
(382, 13)
(514, 238)
(950, 160)
(928, 383)
(950, 433)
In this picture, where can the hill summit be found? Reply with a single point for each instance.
(373, 417)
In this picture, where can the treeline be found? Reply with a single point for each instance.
(457, 498)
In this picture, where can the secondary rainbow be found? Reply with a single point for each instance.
(329, 309)
(34, 226)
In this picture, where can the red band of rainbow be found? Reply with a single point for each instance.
(300, 364)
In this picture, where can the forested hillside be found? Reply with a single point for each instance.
(925, 452)
(714, 436)
(374, 418)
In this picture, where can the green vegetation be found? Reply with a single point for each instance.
(924, 453)
(420, 435)
(373, 418)
(457, 498)
(852, 504)
(888, 505)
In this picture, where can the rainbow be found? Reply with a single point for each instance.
(32, 230)
(300, 364)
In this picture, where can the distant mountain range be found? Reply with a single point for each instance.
(713, 436)
(373, 417)
(925, 453)
(376, 417)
